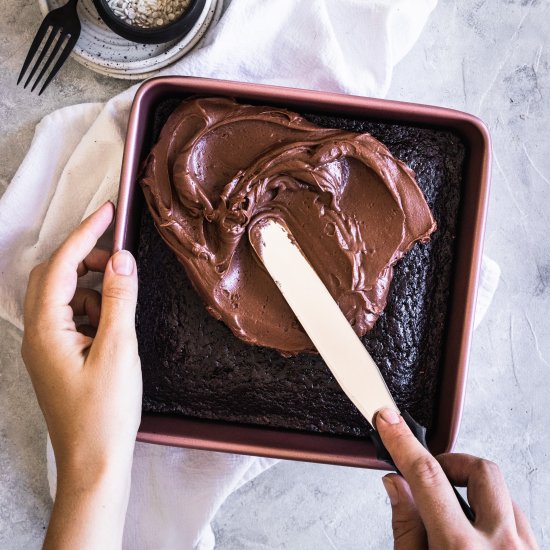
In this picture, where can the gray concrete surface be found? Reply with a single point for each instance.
(491, 58)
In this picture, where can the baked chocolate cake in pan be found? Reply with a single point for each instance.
(193, 365)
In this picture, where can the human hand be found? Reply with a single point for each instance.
(425, 510)
(88, 382)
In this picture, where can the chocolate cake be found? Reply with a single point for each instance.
(194, 365)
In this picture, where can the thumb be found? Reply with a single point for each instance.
(408, 530)
(119, 296)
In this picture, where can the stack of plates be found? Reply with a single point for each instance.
(103, 51)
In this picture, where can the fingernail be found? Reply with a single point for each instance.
(104, 205)
(389, 416)
(123, 263)
(391, 489)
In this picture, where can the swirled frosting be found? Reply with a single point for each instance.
(219, 167)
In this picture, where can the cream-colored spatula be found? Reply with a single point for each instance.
(329, 330)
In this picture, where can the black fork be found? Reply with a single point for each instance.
(64, 27)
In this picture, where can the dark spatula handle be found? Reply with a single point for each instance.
(419, 432)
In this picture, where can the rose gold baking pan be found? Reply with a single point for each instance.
(247, 439)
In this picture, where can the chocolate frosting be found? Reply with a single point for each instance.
(219, 167)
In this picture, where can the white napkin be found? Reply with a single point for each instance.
(73, 167)
(176, 493)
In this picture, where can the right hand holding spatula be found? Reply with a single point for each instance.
(425, 511)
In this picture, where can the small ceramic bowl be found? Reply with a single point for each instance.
(153, 35)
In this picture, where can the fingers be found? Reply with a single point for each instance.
(96, 261)
(524, 529)
(119, 296)
(62, 270)
(34, 287)
(87, 302)
(87, 330)
(487, 491)
(408, 530)
(432, 492)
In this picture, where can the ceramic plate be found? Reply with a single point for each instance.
(103, 51)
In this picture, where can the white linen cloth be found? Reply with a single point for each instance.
(73, 167)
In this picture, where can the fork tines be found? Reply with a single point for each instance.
(62, 29)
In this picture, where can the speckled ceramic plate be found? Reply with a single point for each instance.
(103, 51)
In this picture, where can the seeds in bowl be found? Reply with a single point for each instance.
(148, 13)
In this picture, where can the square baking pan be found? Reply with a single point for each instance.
(300, 445)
